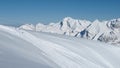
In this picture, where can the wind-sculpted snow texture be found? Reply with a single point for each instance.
(30, 49)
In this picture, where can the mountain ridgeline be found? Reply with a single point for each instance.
(105, 31)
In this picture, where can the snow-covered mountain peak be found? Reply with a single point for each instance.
(28, 27)
(97, 30)
(67, 18)
(114, 23)
(68, 21)
(96, 21)
(71, 23)
(40, 24)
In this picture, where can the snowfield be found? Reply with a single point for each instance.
(29, 49)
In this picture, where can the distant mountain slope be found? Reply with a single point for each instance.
(105, 31)
(30, 49)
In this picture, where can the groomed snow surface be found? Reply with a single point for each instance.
(29, 49)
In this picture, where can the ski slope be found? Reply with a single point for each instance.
(29, 49)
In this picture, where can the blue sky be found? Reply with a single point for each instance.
(17, 12)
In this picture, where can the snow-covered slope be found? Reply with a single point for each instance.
(106, 31)
(30, 49)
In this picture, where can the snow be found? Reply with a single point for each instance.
(28, 27)
(96, 30)
(29, 49)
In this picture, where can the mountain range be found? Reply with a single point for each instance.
(104, 31)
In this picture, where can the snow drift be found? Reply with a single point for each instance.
(29, 49)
